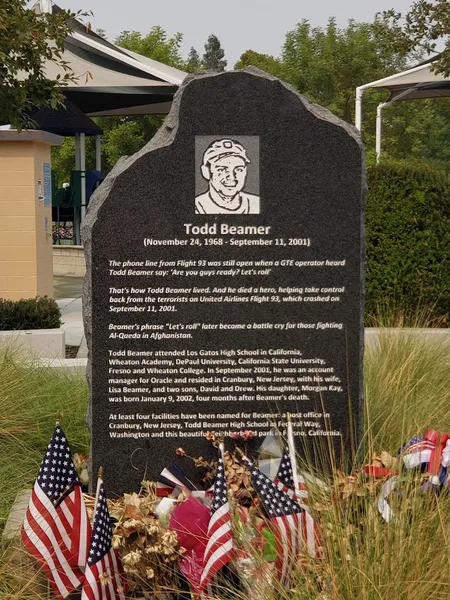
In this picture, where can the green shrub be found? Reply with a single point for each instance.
(29, 313)
(408, 242)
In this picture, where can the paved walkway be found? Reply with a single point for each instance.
(67, 287)
(68, 292)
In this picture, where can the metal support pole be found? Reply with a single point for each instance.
(379, 127)
(77, 152)
(45, 6)
(83, 174)
(98, 152)
(358, 108)
(76, 224)
(379, 130)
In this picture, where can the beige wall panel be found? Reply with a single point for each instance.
(44, 245)
(10, 238)
(16, 163)
(20, 149)
(17, 193)
(26, 255)
(16, 208)
(19, 295)
(15, 268)
(13, 178)
(45, 283)
(17, 283)
(19, 253)
(19, 224)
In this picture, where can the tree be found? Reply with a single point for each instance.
(126, 135)
(123, 140)
(27, 42)
(327, 64)
(101, 32)
(262, 61)
(156, 45)
(418, 130)
(213, 58)
(421, 29)
(123, 136)
(193, 63)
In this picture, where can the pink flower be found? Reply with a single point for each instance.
(235, 435)
(247, 434)
(180, 452)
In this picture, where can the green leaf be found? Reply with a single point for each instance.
(270, 546)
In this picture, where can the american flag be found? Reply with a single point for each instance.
(103, 579)
(293, 527)
(172, 477)
(284, 479)
(416, 452)
(56, 527)
(219, 548)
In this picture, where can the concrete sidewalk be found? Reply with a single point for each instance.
(68, 293)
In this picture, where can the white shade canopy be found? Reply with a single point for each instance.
(419, 82)
(110, 80)
(415, 83)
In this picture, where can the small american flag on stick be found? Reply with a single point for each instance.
(219, 548)
(56, 527)
(290, 523)
(103, 577)
(285, 481)
(172, 477)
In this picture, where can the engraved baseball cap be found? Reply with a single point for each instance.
(221, 148)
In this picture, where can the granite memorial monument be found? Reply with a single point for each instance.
(225, 278)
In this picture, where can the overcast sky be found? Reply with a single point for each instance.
(240, 25)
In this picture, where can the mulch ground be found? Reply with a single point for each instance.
(71, 351)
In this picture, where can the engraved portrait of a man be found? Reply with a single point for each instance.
(224, 166)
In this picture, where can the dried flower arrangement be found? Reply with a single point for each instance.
(149, 551)
(151, 546)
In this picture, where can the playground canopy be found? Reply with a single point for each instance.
(110, 80)
(416, 83)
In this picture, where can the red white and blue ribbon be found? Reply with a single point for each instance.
(173, 477)
(430, 453)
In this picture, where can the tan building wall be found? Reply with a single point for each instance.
(69, 260)
(26, 258)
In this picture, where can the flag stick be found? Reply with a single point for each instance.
(239, 452)
(222, 452)
(292, 454)
(99, 479)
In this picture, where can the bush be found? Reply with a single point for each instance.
(29, 313)
(408, 241)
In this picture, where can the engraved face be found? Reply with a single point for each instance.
(227, 175)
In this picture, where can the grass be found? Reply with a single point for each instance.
(367, 559)
(30, 397)
(407, 389)
(392, 313)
